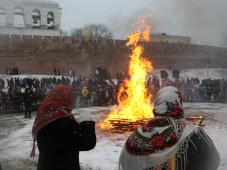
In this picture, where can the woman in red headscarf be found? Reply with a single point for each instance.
(168, 141)
(59, 136)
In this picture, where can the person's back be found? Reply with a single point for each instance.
(201, 153)
(59, 136)
(168, 141)
(59, 143)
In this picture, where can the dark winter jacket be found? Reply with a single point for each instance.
(201, 153)
(28, 97)
(59, 143)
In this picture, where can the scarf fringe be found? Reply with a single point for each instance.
(32, 154)
(179, 160)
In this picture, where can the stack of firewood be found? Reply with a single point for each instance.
(125, 124)
(122, 125)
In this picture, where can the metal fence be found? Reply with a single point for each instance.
(16, 105)
(83, 102)
(11, 105)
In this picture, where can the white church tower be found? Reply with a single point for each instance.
(30, 17)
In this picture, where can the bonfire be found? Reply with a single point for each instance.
(134, 106)
(134, 101)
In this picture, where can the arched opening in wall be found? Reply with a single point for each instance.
(36, 19)
(2, 17)
(50, 20)
(19, 17)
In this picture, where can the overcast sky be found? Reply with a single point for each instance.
(203, 20)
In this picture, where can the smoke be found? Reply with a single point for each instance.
(202, 20)
(123, 25)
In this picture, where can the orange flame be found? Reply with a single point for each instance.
(134, 102)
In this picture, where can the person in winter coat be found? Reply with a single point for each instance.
(59, 135)
(28, 100)
(168, 141)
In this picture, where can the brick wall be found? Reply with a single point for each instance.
(40, 55)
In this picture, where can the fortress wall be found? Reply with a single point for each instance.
(40, 55)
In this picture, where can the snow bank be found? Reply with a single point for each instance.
(203, 73)
(212, 73)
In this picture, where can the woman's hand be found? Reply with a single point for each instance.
(84, 116)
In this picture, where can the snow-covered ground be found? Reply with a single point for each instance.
(202, 73)
(16, 140)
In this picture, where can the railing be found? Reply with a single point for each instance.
(16, 104)
(83, 102)
(11, 105)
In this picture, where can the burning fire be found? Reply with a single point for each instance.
(134, 102)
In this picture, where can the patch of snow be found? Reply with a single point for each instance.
(17, 144)
(212, 73)
(217, 133)
(107, 151)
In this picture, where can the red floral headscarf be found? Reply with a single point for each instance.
(162, 140)
(58, 104)
(164, 130)
(168, 102)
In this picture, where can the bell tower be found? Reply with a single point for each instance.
(30, 17)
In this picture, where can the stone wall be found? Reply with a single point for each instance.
(170, 38)
(13, 8)
(40, 55)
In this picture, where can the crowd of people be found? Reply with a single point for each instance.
(12, 71)
(26, 94)
(206, 90)
(194, 90)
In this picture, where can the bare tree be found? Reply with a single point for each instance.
(100, 30)
(76, 32)
(92, 31)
